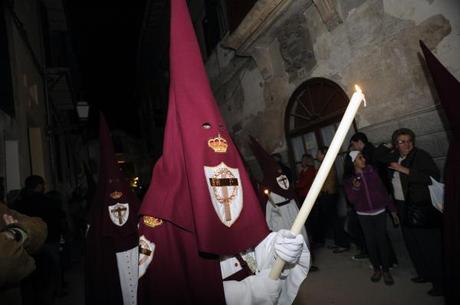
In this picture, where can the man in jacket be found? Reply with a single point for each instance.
(20, 236)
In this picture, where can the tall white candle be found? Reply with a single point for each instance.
(323, 171)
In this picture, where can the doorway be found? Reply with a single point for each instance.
(312, 116)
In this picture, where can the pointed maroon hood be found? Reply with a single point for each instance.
(273, 177)
(188, 186)
(112, 226)
(113, 188)
(447, 87)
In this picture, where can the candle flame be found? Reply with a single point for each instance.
(266, 191)
(358, 89)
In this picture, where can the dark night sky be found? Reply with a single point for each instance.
(105, 40)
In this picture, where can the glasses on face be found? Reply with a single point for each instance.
(404, 142)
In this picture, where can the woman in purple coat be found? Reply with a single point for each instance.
(368, 195)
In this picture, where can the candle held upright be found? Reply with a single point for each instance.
(323, 171)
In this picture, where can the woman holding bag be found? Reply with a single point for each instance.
(410, 172)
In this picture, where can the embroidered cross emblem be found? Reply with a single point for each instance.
(224, 184)
(119, 212)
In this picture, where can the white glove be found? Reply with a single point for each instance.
(288, 246)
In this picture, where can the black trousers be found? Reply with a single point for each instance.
(355, 230)
(377, 243)
(325, 212)
(425, 250)
(424, 246)
(325, 219)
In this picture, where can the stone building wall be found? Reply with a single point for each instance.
(373, 43)
(28, 91)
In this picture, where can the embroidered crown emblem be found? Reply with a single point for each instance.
(152, 221)
(116, 195)
(218, 144)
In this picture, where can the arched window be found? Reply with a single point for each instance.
(312, 116)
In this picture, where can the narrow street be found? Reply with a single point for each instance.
(109, 113)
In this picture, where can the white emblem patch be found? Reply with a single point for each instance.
(119, 213)
(283, 181)
(224, 184)
(146, 250)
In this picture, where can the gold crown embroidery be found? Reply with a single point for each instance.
(152, 222)
(218, 144)
(116, 195)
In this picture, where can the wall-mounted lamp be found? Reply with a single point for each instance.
(82, 110)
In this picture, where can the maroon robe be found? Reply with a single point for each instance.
(187, 230)
(448, 89)
(107, 236)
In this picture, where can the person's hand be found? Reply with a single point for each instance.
(288, 246)
(388, 145)
(9, 232)
(398, 167)
(8, 235)
(356, 182)
(8, 219)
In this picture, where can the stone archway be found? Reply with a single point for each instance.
(312, 115)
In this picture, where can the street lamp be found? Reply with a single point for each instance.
(82, 110)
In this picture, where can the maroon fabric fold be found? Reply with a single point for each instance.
(448, 89)
(178, 273)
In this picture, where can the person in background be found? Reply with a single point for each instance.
(20, 237)
(410, 169)
(367, 193)
(305, 177)
(328, 213)
(356, 233)
(41, 286)
(360, 142)
(13, 196)
(64, 246)
(286, 170)
(302, 186)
